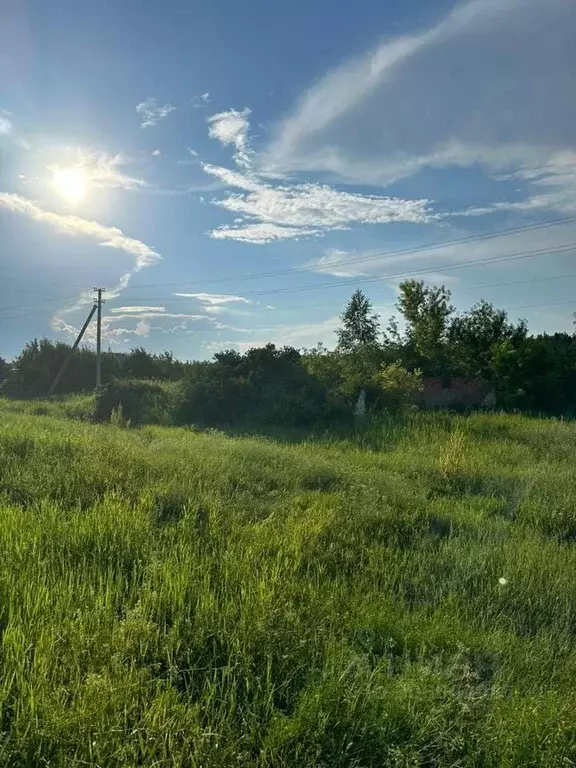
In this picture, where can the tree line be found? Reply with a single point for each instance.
(535, 373)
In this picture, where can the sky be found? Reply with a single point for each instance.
(230, 172)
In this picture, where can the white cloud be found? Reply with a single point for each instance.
(137, 310)
(101, 169)
(232, 178)
(58, 324)
(156, 320)
(144, 323)
(553, 186)
(125, 325)
(240, 346)
(199, 102)
(491, 83)
(143, 328)
(337, 263)
(110, 237)
(5, 126)
(295, 335)
(7, 129)
(231, 128)
(155, 312)
(259, 234)
(280, 211)
(156, 153)
(214, 298)
(192, 160)
(151, 113)
(218, 303)
(435, 264)
(306, 334)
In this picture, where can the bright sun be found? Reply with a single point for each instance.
(71, 183)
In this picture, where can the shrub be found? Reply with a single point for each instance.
(399, 387)
(263, 386)
(138, 402)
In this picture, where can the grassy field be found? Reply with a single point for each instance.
(404, 596)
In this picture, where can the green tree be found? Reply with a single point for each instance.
(537, 374)
(400, 386)
(426, 310)
(472, 337)
(4, 370)
(360, 326)
(358, 352)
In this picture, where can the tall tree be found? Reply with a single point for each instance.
(360, 326)
(4, 370)
(473, 335)
(537, 373)
(426, 310)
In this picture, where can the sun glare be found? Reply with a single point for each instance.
(70, 183)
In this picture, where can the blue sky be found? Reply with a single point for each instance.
(231, 172)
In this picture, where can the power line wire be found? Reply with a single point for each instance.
(355, 280)
(445, 267)
(373, 257)
(452, 267)
(327, 306)
(55, 300)
(286, 325)
(358, 260)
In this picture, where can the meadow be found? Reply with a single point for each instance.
(403, 594)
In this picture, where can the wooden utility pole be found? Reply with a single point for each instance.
(98, 305)
(74, 348)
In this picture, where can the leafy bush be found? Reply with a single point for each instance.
(263, 386)
(399, 387)
(138, 402)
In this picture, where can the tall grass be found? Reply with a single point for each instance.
(401, 596)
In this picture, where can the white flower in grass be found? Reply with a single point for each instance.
(502, 581)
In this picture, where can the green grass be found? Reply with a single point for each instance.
(175, 598)
(67, 406)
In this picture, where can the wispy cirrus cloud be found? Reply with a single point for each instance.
(214, 299)
(198, 102)
(69, 224)
(155, 313)
(6, 125)
(260, 234)
(121, 326)
(231, 128)
(101, 169)
(137, 310)
(218, 303)
(124, 326)
(271, 211)
(552, 186)
(109, 237)
(436, 262)
(297, 335)
(338, 263)
(151, 113)
(482, 87)
(8, 130)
